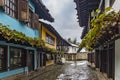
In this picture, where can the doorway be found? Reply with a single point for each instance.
(30, 60)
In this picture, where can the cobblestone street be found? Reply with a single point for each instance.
(69, 71)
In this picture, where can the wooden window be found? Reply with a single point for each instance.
(23, 12)
(2, 3)
(30, 23)
(11, 8)
(3, 58)
(49, 39)
(35, 21)
(17, 58)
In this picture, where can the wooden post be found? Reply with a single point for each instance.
(108, 61)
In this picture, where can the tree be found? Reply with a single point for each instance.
(74, 41)
(69, 40)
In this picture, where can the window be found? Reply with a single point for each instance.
(30, 18)
(11, 7)
(49, 39)
(33, 19)
(20, 9)
(3, 59)
(17, 58)
(49, 57)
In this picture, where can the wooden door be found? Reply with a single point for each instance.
(30, 60)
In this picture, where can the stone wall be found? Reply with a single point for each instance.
(76, 56)
(82, 56)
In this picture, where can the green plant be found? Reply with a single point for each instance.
(100, 25)
(20, 38)
(10, 35)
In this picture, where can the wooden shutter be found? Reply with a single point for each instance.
(23, 8)
(2, 3)
(35, 21)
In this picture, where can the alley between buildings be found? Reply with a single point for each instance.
(69, 71)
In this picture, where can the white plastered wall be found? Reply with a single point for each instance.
(117, 59)
(107, 3)
(116, 5)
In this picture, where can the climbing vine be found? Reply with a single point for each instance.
(19, 38)
(99, 26)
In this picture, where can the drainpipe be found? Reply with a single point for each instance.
(100, 5)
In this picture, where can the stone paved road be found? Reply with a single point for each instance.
(70, 71)
(77, 71)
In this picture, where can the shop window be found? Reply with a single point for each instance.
(17, 58)
(49, 39)
(3, 59)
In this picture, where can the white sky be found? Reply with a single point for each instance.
(64, 13)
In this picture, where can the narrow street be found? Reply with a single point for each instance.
(59, 39)
(77, 71)
(69, 71)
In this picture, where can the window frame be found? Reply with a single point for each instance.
(3, 58)
(30, 22)
(50, 40)
(17, 59)
(11, 8)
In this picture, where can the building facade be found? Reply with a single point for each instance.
(84, 9)
(106, 52)
(71, 52)
(22, 17)
(50, 39)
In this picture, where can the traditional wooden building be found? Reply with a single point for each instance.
(50, 39)
(22, 17)
(106, 52)
(54, 41)
(84, 9)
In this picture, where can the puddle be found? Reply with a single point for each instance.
(75, 71)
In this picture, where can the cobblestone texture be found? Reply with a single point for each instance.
(69, 71)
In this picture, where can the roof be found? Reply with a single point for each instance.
(42, 10)
(74, 45)
(84, 9)
(85, 30)
(71, 44)
(53, 31)
(66, 42)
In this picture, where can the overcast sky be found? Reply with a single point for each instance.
(64, 13)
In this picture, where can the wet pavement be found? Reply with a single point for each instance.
(77, 71)
(69, 71)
